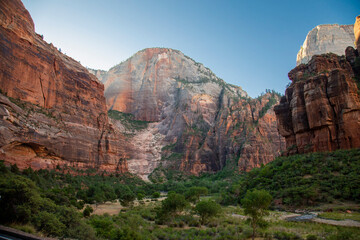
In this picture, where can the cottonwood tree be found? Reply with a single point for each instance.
(194, 193)
(207, 209)
(171, 206)
(256, 204)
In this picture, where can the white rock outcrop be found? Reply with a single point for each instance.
(326, 38)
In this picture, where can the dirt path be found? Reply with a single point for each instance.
(113, 208)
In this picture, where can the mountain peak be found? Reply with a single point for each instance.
(326, 38)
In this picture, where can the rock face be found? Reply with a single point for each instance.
(205, 123)
(357, 32)
(176, 114)
(57, 113)
(326, 38)
(321, 109)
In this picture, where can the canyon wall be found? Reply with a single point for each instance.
(168, 111)
(204, 122)
(52, 109)
(321, 108)
(326, 38)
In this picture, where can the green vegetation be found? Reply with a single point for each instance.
(56, 203)
(128, 120)
(171, 207)
(272, 101)
(256, 204)
(22, 203)
(207, 209)
(305, 180)
(194, 193)
(341, 215)
(33, 108)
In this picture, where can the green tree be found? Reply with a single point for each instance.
(194, 193)
(155, 195)
(125, 195)
(140, 196)
(19, 198)
(256, 204)
(207, 209)
(171, 206)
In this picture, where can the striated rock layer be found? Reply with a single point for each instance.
(321, 109)
(57, 113)
(327, 38)
(205, 123)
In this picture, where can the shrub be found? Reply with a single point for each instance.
(311, 237)
(87, 211)
(49, 223)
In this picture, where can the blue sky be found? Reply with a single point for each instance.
(252, 44)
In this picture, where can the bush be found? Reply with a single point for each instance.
(49, 223)
(286, 236)
(311, 237)
(103, 225)
(87, 211)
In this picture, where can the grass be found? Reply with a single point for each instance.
(128, 120)
(28, 228)
(340, 215)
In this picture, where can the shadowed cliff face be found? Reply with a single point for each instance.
(57, 113)
(204, 122)
(321, 109)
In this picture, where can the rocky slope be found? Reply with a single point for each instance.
(321, 109)
(326, 38)
(52, 109)
(204, 122)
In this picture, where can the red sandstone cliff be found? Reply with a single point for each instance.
(53, 111)
(321, 108)
(203, 122)
(57, 113)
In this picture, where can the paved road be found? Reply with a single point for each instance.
(7, 237)
(7, 233)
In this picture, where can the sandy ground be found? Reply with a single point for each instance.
(113, 208)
